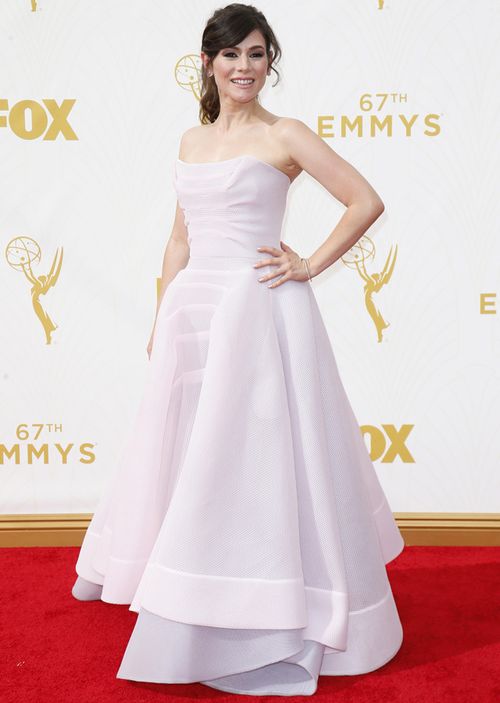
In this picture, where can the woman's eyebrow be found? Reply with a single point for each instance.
(257, 46)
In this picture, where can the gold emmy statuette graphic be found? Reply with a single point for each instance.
(21, 253)
(188, 74)
(356, 257)
(33, 5)
(380, 4)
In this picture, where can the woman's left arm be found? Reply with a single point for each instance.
(341, 180)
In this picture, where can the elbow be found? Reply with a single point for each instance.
(373, 207)
(377, 207)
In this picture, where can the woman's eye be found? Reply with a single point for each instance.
(232, 53)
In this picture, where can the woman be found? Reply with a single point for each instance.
(246, 525)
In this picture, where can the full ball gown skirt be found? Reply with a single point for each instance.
(245, 522)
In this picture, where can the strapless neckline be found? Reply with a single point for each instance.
(237, 158)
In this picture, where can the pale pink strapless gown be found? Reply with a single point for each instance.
(245, 523)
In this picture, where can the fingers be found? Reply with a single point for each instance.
(267, 277)
(286, 274)
(271, 250)
(279, 282)
(276, 260)
(283, 260)
(266, 262)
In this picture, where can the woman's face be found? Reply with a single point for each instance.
(247, 60)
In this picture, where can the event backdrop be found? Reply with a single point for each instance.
(94, 96)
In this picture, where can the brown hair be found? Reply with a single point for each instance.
(228, 26)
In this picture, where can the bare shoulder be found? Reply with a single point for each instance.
(291, 128)
(190, 139)
(289, 132)
(304, 146)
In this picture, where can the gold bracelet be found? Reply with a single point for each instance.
(306, 262)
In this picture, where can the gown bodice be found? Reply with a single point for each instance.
(231, 207)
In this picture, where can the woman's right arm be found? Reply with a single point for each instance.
(175, 258)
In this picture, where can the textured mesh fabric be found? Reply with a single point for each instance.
(245, 501)
(183, 653)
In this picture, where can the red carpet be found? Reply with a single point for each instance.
(55, 649)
